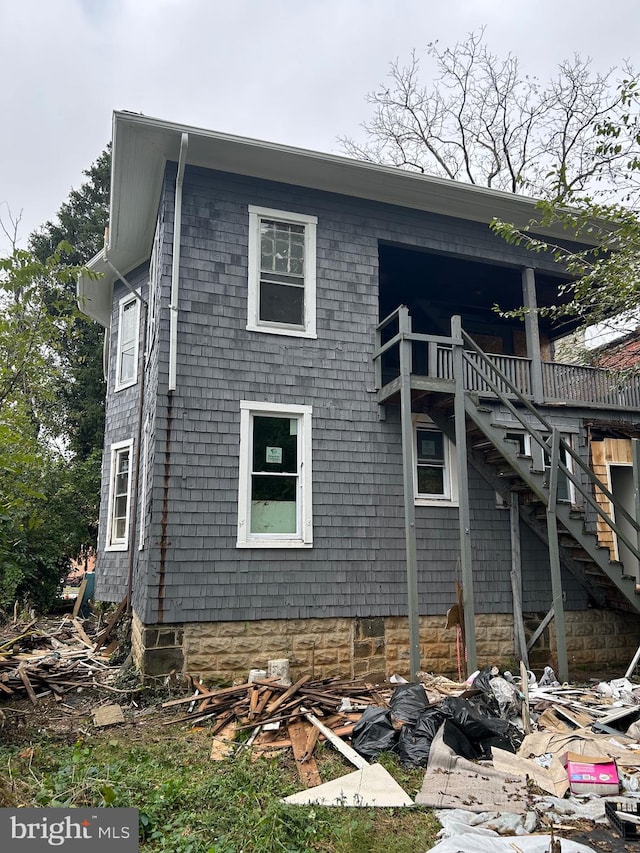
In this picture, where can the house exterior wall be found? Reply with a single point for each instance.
(190, 570)
(121, 408)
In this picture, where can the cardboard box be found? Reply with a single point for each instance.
(590, 774)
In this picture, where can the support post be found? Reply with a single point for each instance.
(554, 558)
(516, 581)
(406, 425)
(464, 515)
(635, 458)
(532, 332)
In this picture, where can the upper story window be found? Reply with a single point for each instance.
(282, 272)
(119, 496)
(127, 350)
(274, 493)
(434, 474)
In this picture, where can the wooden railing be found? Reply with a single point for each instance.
(567, 383)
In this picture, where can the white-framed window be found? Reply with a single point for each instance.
(119, 496)
(434, 472)
(282, 272)
(128, 337)
(274, 491)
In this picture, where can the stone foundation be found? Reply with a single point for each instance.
(374, 649)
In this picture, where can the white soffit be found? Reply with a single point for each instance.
(143, 145)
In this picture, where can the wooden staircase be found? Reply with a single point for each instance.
(500, 460)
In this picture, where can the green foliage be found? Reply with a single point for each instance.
(599, 243)
(188, 804)
(44, 516)
(51, 399)
(80, 223)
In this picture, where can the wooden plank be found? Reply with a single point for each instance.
(104, 634)
(285, 743)
(210, 694)
(222, 746)
(264, 699)
(312, 739)
(254, 696)
(27, 685)
(524, 689)
(82, 634)
(287, 694)
(78, 602)
(305, 764)
(343, 748)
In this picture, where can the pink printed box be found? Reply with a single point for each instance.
(591, 774)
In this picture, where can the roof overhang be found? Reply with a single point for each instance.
(141, 147)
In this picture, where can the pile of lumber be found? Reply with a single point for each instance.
(38, 660)
(279, 716)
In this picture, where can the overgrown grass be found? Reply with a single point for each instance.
(189, 804)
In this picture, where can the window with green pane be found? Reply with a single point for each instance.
(274, 475)
(282, 272)
(431, 463)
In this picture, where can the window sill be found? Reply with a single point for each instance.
(122, 387)
(274, 543)
(282, 331)
(119, 547)
(448, 502)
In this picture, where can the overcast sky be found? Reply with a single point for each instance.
(290, 72)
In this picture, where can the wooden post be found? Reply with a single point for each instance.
(409, 500)
(532, 332)
(464, 515)
(635, 458)
(516, 581)
(554, 559)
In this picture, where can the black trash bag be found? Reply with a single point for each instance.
(482, 679)
(429, 722)
(374, 733)
(413, 749)
(483, 732)
(408, 702)
(457, 740)
(414, 742)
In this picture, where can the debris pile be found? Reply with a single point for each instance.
(278, 715)
(38, 660)
(483, 742)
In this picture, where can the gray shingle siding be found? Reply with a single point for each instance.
(356, 566)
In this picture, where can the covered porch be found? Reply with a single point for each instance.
(451, 375)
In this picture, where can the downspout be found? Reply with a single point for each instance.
(136, 491)
(175, 267)
(173, 361)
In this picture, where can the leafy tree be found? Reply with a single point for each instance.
(43, 512)
(605, 285)
(482, 121)
(80, 222)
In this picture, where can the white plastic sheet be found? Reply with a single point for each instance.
(474, 843)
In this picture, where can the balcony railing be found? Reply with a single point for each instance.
(432, 359)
